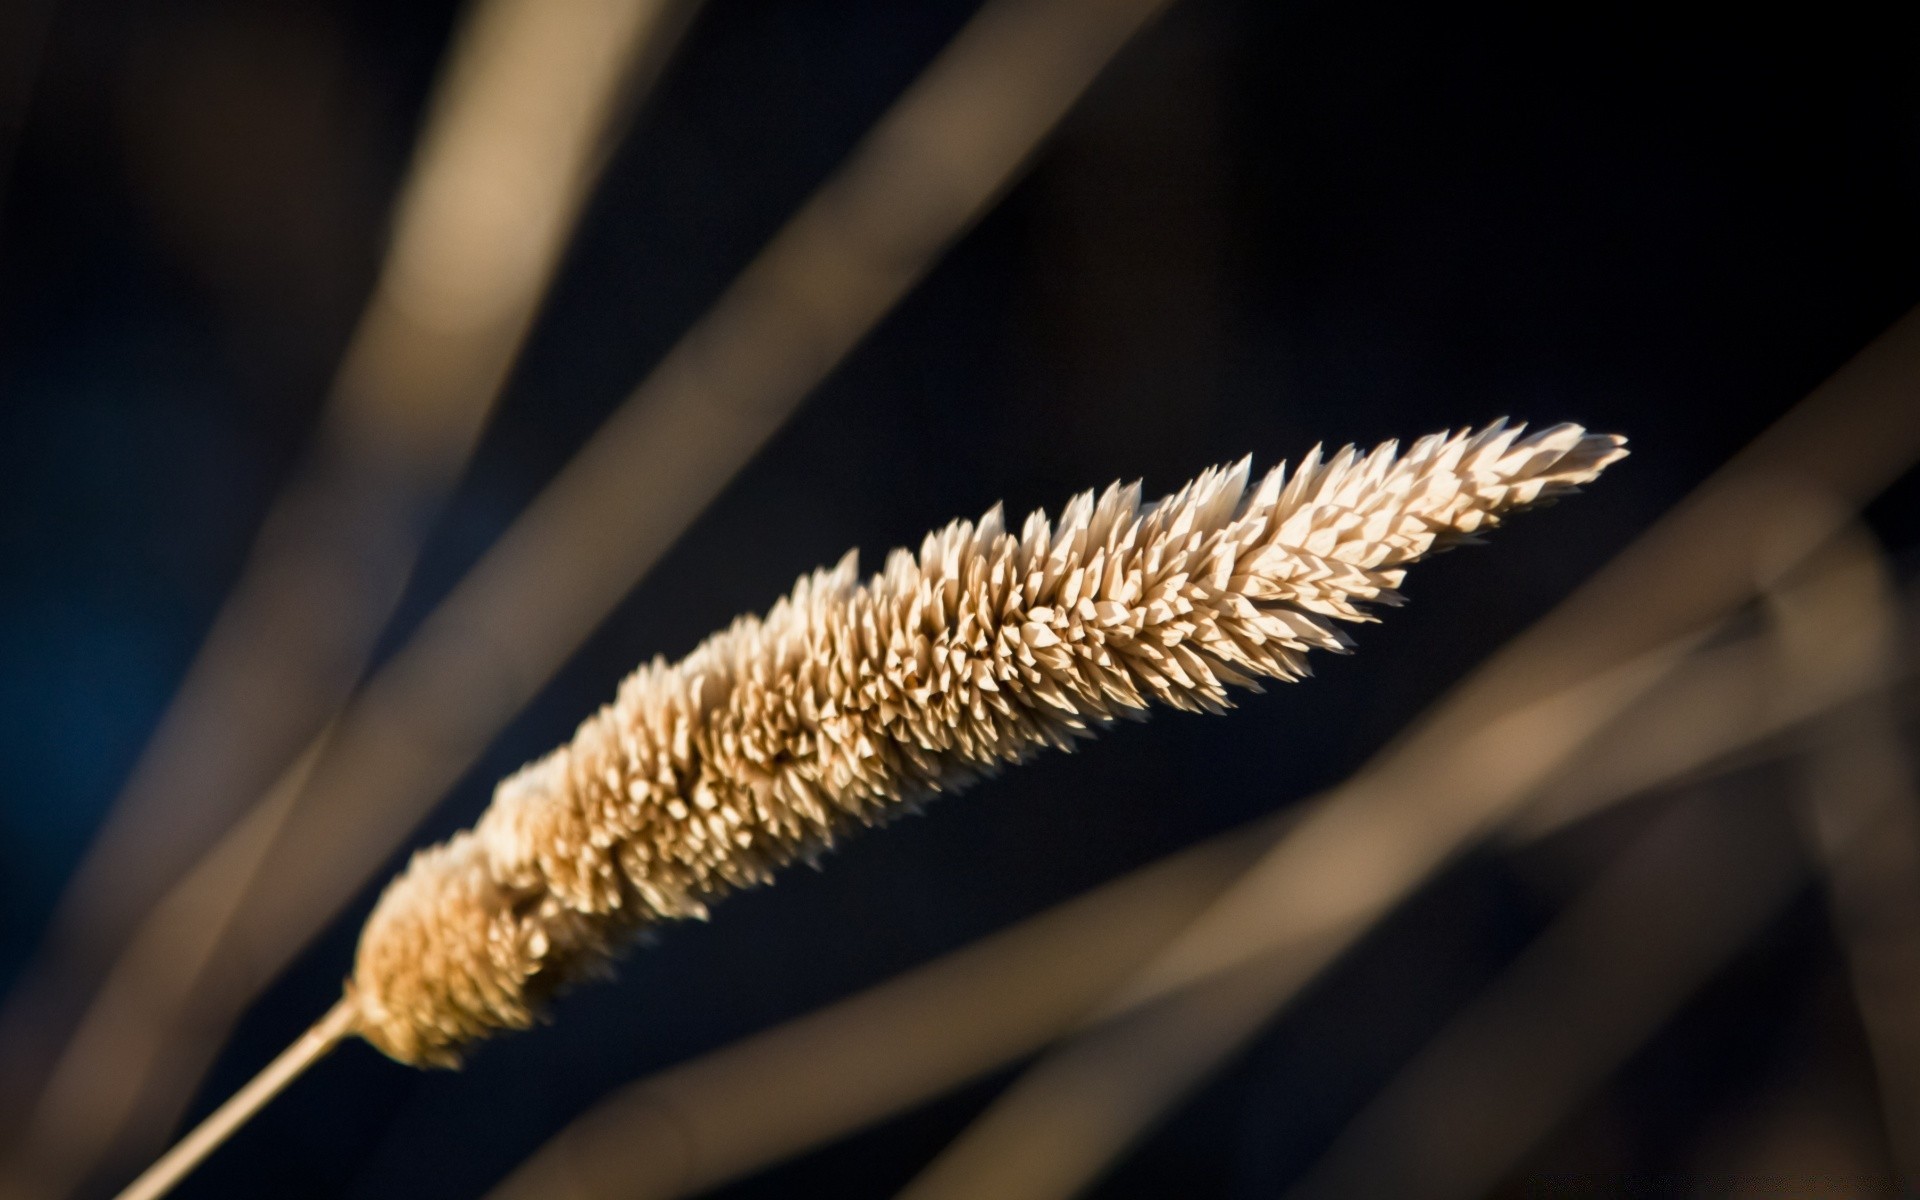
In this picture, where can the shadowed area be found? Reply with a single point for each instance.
(1264, 225)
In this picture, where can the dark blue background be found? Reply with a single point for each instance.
(1270, 224)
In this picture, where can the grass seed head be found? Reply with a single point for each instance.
(850, 699)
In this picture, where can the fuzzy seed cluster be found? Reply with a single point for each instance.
(850, 700)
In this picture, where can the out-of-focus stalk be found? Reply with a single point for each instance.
(1474, 759)
(527, 103)
(1841, 633)
(935, 162)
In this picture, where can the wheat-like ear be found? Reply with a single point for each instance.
(850, 701)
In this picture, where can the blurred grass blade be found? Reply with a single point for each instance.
(774, 1073)
(722, 1116)
(933, 164)
(1840, 631)
(1477, 756)
(1535, 1044)
(525, 108)
(1659, 923)
(823, 1076)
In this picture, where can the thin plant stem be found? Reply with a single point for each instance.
(309, 1048)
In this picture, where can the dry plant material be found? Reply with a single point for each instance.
(850, 701)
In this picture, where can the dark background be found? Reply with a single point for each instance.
(1270, 224)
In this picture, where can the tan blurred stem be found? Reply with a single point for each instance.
(933, 164)
(1487, 747)
(1518, 1060)
(521, 117)
(1723, 705)
(768, 1097)
(513, 137)
(1493, 741)
(1596, 985)
(588, 1157)
(1522, 1056)
(1078, 1109)
(741, 1108)
(1840, 631)
(1720, 704)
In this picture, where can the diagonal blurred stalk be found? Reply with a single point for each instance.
(1468, 763)
(1487, 747)
(1462, 1114)
(1080, 1106)
(933, 164)
(1661, 921)
(825, 1075)
(1841, 428)
(526, 107)
(711, 1120)
(1086, 1102)
(1840, 631)
(1727, 704)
